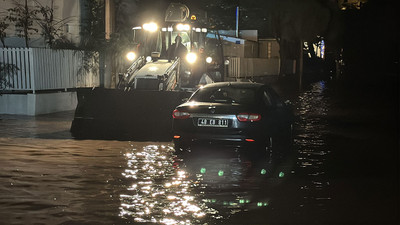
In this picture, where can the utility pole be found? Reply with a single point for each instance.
(109, 15)
(237, 21)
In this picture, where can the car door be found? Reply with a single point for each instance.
(277, 115)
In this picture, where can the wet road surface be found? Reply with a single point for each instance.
(343, 170)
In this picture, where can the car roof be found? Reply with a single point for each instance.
(234, 84)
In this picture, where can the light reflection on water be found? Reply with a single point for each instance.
(313, 106)
(159, 191)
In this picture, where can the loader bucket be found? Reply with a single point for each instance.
(125, 115)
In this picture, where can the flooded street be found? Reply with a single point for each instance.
(343, 170)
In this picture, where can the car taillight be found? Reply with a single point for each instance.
(245, 117)
(176, 114)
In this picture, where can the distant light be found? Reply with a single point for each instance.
(281, 174)
(148, 59)
(220, 173)
(164, 29)
(263, 171)
(204, 30)
(209, 59)
(198, 29)
(203, 170)
(177, 137)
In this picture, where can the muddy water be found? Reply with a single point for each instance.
(46, 177)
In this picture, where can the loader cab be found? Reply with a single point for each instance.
(195, 59)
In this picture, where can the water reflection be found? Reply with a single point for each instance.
(228, 183)
(160, 191)
(313, 106)
(192, 188)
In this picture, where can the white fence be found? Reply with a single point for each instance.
(47, 69)
(253, 67)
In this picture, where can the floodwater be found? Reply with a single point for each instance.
(343, 170)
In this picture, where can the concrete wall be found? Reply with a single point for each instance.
(35, 104)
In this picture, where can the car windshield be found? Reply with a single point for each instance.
(225, 95)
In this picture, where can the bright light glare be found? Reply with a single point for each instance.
(208, 59)
(148, 59)
(191, 57)
(150, 27)
(131, 56)
(181, 27)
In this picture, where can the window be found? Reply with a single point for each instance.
(226, 95)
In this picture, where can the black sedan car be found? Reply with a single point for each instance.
(240, 114)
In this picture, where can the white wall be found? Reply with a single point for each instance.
(36, 104)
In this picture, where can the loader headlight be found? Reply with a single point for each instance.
(191, 57)
(150, 27)
(183, 27)
(209, 59)
(131, 56)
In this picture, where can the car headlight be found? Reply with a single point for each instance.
(209, 59)
(191, 57)
(131, 56)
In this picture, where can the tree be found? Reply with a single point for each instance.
(92, 29)
(6, 71)
(50, 26)
(24, 18)
(3, 27)
(297, 21)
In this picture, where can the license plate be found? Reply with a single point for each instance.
(206, 122)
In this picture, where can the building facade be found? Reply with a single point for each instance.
(67, 20)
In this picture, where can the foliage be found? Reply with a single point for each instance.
(92, 29)
(3, 27)
(6, 71)
(90, 63)
(50, 26)
(306, 20)
(24, 18)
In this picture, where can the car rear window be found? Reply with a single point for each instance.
(225, 95)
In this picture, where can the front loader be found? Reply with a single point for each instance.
(140, 106)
